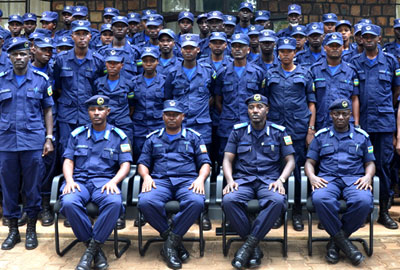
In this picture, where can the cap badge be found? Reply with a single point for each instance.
(186, 14)
(237, 36)
(148, 12)
(80, 23)
(229, 18)
(78, 9)
(314, 26)
(14, 40)
(113, 52)
(172, 103)
(109, 10)
(148, 49)
(286, 41)
(345, 104)
(64, 39)
(151, 19)
(215, 13)
(47, 40)
(100, 101)
(26, 44)
(334, 36)
(257, 97)
(246, 4)
(216, 34)
(29, 15)
(266, 34)
(260, 13)
(329, 16)
(368, 28)
(292, 7)
(298, 28)
(187, 37)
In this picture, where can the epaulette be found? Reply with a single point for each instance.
(363, 132)
(3, 73)
(241, 125)
(281, 128)
(194, 131)
(41, 73)
(120, 132)
(151, 133)
(78, 130)
(321, 131)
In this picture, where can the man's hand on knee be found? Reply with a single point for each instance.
(110, 187)
(317, 182)
(197, 186)
(364, 183)
(70, 187)
(148, 183)
(231, 187)
(277, 185)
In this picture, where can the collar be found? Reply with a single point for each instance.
(183, 132)
(266, 128)
(106, 133)
(28, 75)
(333, 132)
(71, 54)
(379, 57)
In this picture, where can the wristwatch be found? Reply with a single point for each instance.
(51, 137)
(281, 179)
(311, 127)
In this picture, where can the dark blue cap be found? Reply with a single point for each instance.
(294, 9)
(215, 15)
(257, 98)
(329, 17)
(366, 21)
(340, 104)
(114, 54)
(230, 20)
(334, 37)
(218, 36)
(80, 11)
(371, 29)
(80, 25)
(263, 15)
(249, 6)
(29, 17)
(186, 15)
(35, 35)
(343, 22)
(64, 41)
(18, 43)
(68, 9)
(255, 30)
(106, 27)
(267, 35)
(49, 16)
(42, 32)
(396, 23)
(15, 18)
(288, 43)
(299, 30)
(315, 27)
(167, 32)
(173, 106)
(121, 19)
(147, 12)
(44, 42)
(134, 17)
(154, 19)
(358, 27)
(150, 51)
(202, 16)
(111, 11)
(240, 38)
(98, 100)
(190, 40)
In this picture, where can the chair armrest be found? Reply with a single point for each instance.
(304, 187)
(136, 189)
(125, 185)
(219, 187)
(207, 190)
(291, 189)
(55, 188)
(375, 189)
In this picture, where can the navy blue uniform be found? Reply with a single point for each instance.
(306, 58)
(165, 68)
(391, 47)
(205, 50)
(260, 63)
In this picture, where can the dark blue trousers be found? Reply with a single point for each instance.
(326, 203)
(73, 208)
(152, 205)
(272, 205)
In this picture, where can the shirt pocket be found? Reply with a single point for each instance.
(320, 84)
(111, 155)
(272, 151)
(186, 148)
(355, 150)
(66, 73)
(327, 150)
(244, 152)
(158, 150)
(300, 81)
(252, 86)
(228, 87)
(5, 94)
(81, 157)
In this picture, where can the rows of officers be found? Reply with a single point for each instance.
(182, 104)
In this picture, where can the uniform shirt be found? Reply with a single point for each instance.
(286, 32)
(351, 53)
(328, 87)
(306, 58)
(205, 50)
(140, 38)
(288, 98)
(165, 69)
(5, 62)
(258, 155)
(376, 82)
(391, 47)
(179, 160)
(21, 110)
(97, 160)
(341, 155)
(76, 81)
(148, 103)
(239, 29)
(260, 63)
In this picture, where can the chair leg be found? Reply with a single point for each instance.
(309, 241)
(57, 239)
(224, 247)
(371, 234)
(285, 235)
(142, 251)
(201, 239)
(117, 240)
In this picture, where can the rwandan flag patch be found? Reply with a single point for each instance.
(356, 82)
(288, 140)
(370, 149)
(125, 147)
(49, 90)
(398, 72)
(203, 148)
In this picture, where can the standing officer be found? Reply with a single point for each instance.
(267, 59)
(203, 26)
(25, 101)
(66, 18)
(263, 19)
(143, 36)
(154, 24)
(357, 47)
(379, 76)
(315, 36)
(392, 46)
(64, 44)
(106, 36)
(344, 28)
(168, 60)
(254, 33)
(329, 20)
(346, 167)
(292, 105)
(245, 15)
(174, 164)
(15, 26)
(97, 158)
(81, 13)
(74, 73)
(185, 24)
(229, 26)
(109, 13)
(49, 21)
(299, 33)
(29, 23)
(252, 168)
(134, 25)
(294, 18)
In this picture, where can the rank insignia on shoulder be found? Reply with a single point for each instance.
(370, 149)
(356, 82)
(125, 147)
(237, 126)
(203, 148)
(50, 90)
(288, 140)
(398, 72)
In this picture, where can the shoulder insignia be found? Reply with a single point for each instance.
(3, 73)
(151, 133)
(363, 132)
(281, 128)
(78, 130)
(321, 131)
(194, 131)
(41, 73)
(241, 125)
(120, 133)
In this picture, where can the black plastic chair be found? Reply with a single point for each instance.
(172, 207)
(92, 210)
(305, 199)
(253, 208)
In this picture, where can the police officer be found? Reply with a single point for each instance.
(74, 73)
(174, 164)
(252, 169)
(66, 18)
(15, 26)
(134, 25)
(294, 18)
(168, 60)
(106, 36)
(203, 26)
(245, 15)
(268, 58)
(254, 33)
(143, 36)
(379, 76)
(5, 62)
(109, 13)
(97, 158)
(64, 43)
(25, 101)
(49, 21)
(6, 34)
(185, 24)
(346, 167)
(154, 24)
(299, 33)
(391, 47)
(29, 23)
(315, 36)
(263, 19)
(229, 26)
(329, 20)
(344, 27)
(292, 104)
(81, 13)
(357, 46)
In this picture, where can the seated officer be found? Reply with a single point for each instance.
(346, 167)
(251, 165)
(97, 158)
(174, 165)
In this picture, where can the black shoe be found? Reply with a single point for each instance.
(351, 251)
(47, 218)
(121, 223)
(13, 236)
(255, 259)
(387, 221)
(320, 226)
(66, 223)
(183, 254)
(169, 251)
(100, 260)
(31, 241)
(142, 221)
(332, 252)
(278, 223)
(23, 219)
(298, 224)
(206, 222)
(242, 256)
(87, 258)
(5, 221)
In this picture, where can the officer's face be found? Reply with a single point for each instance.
(253, 41)
(49, 25)
(106, 37)
(329, 27)
(286, 56)
(240, 51)
(20, 59)
(370, 42)
(149, 64)
(245, 15)
(333, 50)
(300, 40)
(229, 29)
(345, 31)
(15, 28)
(217, 46)
(358, 39)
(185, 25)
(113, 67)
(173, 120)
(315, 40)
(257, 112)
(98, 115)
(153, 30)
(63, 48)
(294, 19)
(397, 33)
(29, 27)
(119, 30)
(134, 27)
(215, 25)
(166, 44)
(42, 55)
(67, 18)
(203, 26)
(267, 47)
(189, 52)
(81, 38)
(107, 18)
(340, 118)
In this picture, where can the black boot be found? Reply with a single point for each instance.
(384, 217)
(142, 221)
(100, 260)
(206, 220)
(121, 224)
(332, 252)
(169, 251)
(351, 251)
(47, 214)
(244, 253)
(23, 219)
(13, 235)
(256, 257)
(278, 223)
(31, 241)
(87, 258)
(183, 254)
